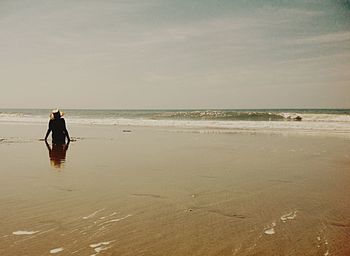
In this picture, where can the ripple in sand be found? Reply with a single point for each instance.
(23, 232)
(56, 250)
(148, 195)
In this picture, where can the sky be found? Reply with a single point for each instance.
(173, 54)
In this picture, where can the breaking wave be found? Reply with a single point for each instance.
(337, 121)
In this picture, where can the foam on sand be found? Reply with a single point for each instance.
(271, 230)
(56, 250)
(92, 214)
(289, 216)
(104, 217)
(101, 243)
(99, 247)
(24, 232)
(116, 220)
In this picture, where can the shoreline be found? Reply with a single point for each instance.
(323, 121)
(205, 130)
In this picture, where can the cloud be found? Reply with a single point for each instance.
(338, 37)
(316, 59)
(135, 47)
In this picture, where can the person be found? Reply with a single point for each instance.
(57, 126)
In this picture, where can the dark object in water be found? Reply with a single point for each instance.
(297, 118)
(126, 130)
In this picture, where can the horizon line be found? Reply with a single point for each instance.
(149, 109)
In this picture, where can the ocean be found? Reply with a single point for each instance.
(312, 120)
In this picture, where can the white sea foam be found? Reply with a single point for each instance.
(271, 230)
(92, 214)
(104, 217)
(115, 220)
(99, 247)
(311, 122)
(325, 118)
(289, 216)
(23, 232)
(56, 250)
(21, 118)
(101, 243)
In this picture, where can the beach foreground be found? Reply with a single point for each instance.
(161, 191)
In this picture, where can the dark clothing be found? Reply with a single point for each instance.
(59, 131)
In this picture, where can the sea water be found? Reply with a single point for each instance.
(313, 120)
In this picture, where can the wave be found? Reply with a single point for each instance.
(325, 117)
(220, 115)
(21, 118)
(199, 119)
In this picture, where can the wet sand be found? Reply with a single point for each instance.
(165, 192)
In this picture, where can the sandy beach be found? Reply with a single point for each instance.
(199, 128)
(159, 191)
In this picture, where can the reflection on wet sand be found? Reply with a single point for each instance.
(57, 154)
(160, 192)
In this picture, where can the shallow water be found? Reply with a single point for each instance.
(164, 192)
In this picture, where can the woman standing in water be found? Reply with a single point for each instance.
(57, 126)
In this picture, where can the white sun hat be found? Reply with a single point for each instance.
(55, 111)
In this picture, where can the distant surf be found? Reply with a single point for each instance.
(312, 120)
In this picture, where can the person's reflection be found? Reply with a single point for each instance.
(57, 153)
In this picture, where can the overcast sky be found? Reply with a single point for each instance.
(175, 54)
